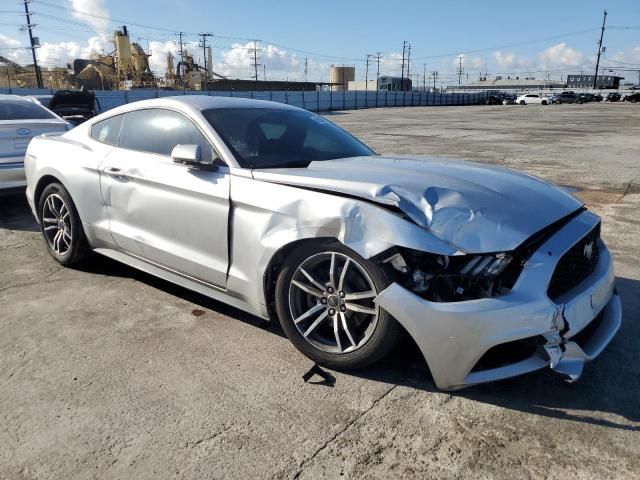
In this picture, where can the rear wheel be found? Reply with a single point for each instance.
(544, 102)
(522, 102)
(61, 226)
(324, 300)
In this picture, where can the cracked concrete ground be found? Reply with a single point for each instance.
(109, 373)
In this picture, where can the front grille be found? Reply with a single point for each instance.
(575, 265)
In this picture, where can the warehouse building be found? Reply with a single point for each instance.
(586, 81)
(510, 83)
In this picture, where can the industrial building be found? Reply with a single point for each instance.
(586, 81)
(510, 83)
(340, 76)
(394, 84)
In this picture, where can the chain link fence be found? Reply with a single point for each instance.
(316, 101)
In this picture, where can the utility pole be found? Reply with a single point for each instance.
(180, 71)
(434, 75)
(378, 57)
(424, 77)
(35, 43)
(460, 70)
(204, 53)
(600, 49)
(404, 46)
(408, 66)
(255, 64)
(366, 72)
(264, 72)
(306, 68)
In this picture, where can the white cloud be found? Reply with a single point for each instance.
(511, 61)
(561, 55)
(99, 20)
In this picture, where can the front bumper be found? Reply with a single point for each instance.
(12, 173)
(453, 337)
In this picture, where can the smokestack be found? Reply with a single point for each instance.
(125, 32)
(209, 64)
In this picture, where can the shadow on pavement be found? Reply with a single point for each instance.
(15, 213)
(610, 384)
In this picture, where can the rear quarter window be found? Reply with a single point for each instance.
(107, 131)
(23, 110)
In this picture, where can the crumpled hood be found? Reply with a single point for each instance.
(474, 207)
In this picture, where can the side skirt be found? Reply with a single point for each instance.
(209, 290)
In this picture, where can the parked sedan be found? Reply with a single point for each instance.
(532, 98)
(21, 119)
(633, 98)
(493, 100)
(277, 211)
(585, 98)
(566, 97)
(613, 97)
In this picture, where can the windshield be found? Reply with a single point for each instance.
(274, 137)
(23, 110)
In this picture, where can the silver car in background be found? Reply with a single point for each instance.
(21, 119)
(278, 212)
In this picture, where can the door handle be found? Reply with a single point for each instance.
(114, 172)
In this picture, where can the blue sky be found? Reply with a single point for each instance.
(532, 39)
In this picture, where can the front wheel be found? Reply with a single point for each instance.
(61, 226)
(544, 102)
(522, 102)
(324, 301)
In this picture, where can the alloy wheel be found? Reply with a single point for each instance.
(56, 224)
(331, 302)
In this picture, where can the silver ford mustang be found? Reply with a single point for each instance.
(277, 211)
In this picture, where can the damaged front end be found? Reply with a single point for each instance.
(479, 318)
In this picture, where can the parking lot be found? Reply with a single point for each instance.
(107, 372)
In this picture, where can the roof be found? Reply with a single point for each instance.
(515, 83)
(199, 103)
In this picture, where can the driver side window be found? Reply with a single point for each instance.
(156, 130)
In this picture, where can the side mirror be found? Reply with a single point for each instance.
(191, 155)
(188, 154)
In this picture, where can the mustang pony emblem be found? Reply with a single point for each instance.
(587, 251)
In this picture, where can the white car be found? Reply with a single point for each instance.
(533, 98)
(279, 212)
(21, 119)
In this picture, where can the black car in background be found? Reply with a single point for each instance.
(75, 106)
(585, 98)
(633, 98)
(614, 97)
(493, 100)
(567, 97)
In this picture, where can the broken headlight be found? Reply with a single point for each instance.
(442, 278)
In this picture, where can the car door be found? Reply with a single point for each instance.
(533, 99)
(169, 214)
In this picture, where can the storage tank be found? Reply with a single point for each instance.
(341, 76)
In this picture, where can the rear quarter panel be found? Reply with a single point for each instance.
(73, 163)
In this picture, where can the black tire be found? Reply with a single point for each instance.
(70, 252)
(522, 102)
(384, 337)
(544, 102)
